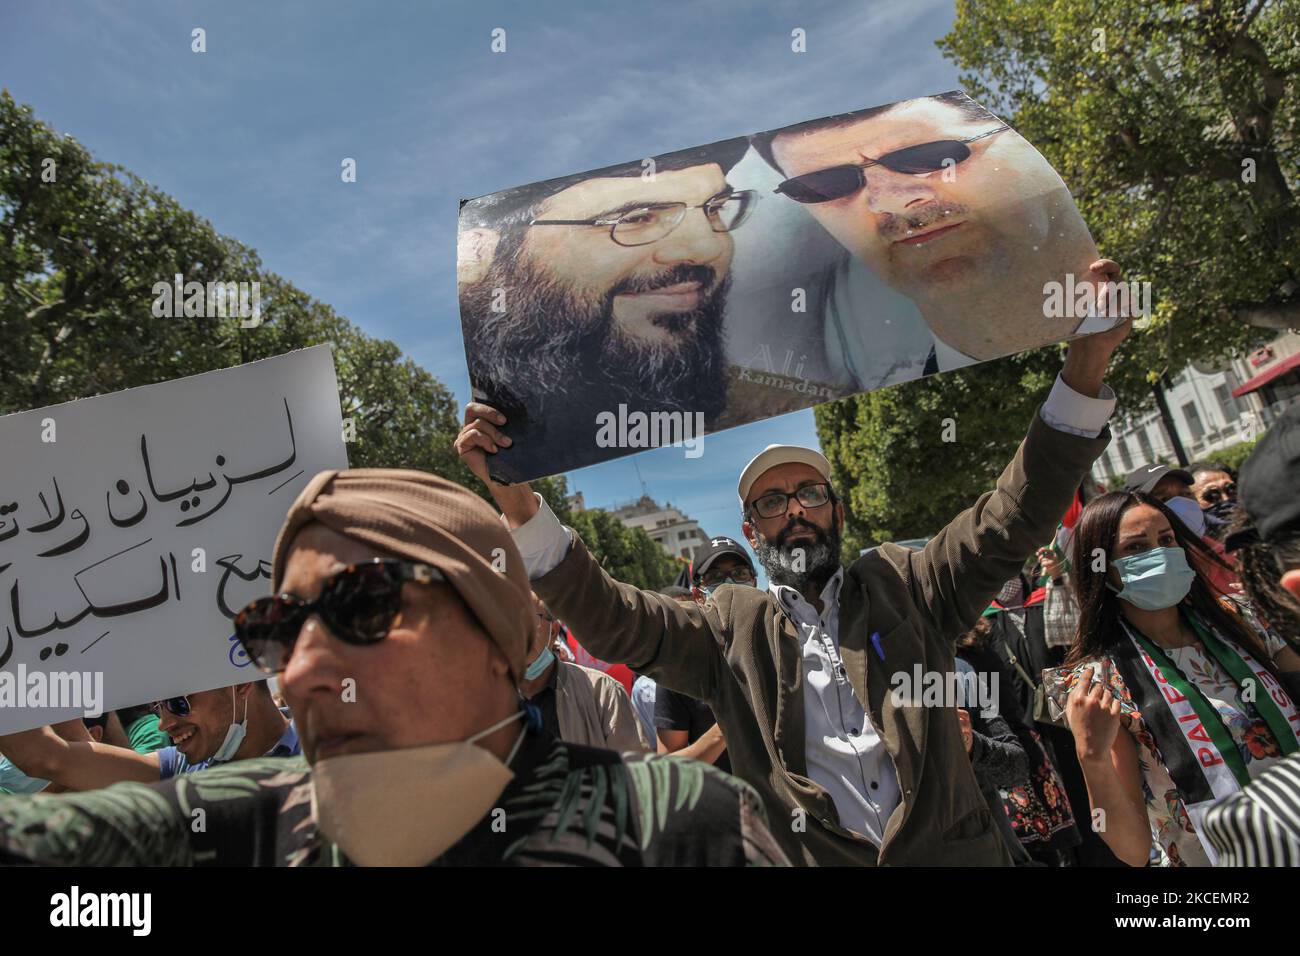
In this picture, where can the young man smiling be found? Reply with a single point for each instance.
(205, 727)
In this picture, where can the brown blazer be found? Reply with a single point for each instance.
(742, 656)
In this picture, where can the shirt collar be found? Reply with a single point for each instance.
(790, 598)
(947, 357)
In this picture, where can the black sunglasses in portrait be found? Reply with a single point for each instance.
(359, 605)
(639, 224)
(836, 182)
(180, 706)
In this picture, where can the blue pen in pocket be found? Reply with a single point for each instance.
(875, 642)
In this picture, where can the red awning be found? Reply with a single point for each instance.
(1263, 378)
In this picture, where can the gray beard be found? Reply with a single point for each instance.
(815, 564)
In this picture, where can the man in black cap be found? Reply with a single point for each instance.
(721, 561)
(1160, 481)
(686, 726)
(1260, 825)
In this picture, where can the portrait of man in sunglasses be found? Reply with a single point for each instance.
(947, 205)
(599, 289)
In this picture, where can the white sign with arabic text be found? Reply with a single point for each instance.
(133, 526)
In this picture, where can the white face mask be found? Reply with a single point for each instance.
(1189, 513)
(234, 736)
(406, 807)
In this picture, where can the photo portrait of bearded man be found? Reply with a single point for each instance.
(601, 289)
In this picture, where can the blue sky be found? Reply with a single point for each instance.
(251, 134)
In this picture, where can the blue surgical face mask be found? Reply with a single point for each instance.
(708, 589)
(234, 736)
(538, 667)
(13, 780)
(1154, 579)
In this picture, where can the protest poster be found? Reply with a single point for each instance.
(655, 301)
(135, 525)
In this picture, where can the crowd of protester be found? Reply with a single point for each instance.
(1126, 667)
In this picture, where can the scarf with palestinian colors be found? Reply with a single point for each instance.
(1196, 746)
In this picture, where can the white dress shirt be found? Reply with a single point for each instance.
(845, 755)
(896, 345)
(947, 357)
(843, 751)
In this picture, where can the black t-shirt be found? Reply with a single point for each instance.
(674, 711)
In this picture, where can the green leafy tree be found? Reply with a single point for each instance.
(627, 554)
(908, 459)
(1234, 455)
(82, 244)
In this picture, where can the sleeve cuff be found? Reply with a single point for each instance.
(1069, 411)
(542, 540)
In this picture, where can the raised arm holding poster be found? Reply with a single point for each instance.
(132, 525)
(655, 301)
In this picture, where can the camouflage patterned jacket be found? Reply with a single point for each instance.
(567, 805)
